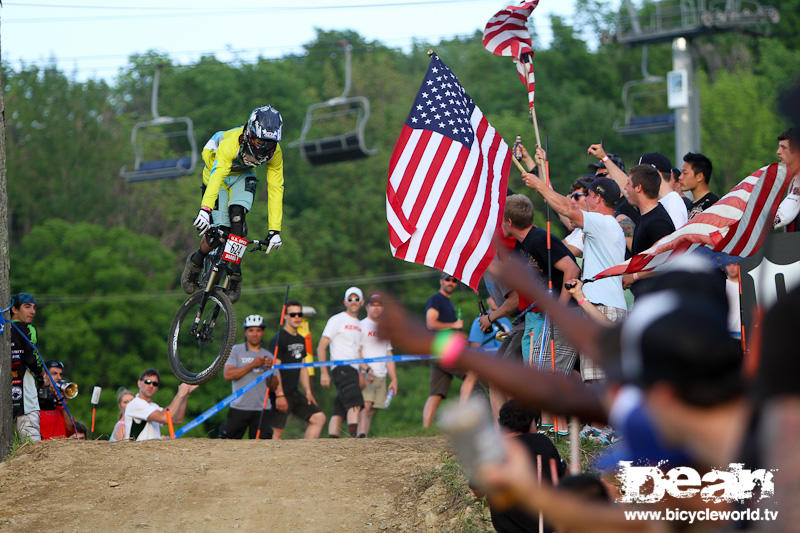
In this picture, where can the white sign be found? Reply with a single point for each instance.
(677, 89)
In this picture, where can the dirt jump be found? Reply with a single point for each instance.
(199, 485)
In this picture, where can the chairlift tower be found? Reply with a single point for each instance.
(679, 22)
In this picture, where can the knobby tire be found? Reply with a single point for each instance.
(217, 299)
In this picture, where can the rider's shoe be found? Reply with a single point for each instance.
(234, 286)
(191, 273)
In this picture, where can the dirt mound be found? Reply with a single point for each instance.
(200, 485)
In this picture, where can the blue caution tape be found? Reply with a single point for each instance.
(222, 404)
(225, 402)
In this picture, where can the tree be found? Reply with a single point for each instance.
(6, 424)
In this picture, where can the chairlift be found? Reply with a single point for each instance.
(331, 116)
(635, 91)
(150, 136)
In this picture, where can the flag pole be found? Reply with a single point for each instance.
(533, 115)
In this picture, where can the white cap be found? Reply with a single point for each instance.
(354, 290)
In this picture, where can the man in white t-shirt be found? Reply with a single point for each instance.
(374, 392)
(672, 201)
(343, 334)
(603, 247)
(144, 417)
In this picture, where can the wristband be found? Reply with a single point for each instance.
(448, 345)
(605, 158)
(280, 395)
(206, 209)
(580, 302)
(635, 276)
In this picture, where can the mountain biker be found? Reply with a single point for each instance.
(229, 185)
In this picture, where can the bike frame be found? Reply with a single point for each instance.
(220, 267)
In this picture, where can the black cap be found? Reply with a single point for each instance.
(607, 189)
(617, 160)
(659, 161)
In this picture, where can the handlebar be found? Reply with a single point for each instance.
(223, 235)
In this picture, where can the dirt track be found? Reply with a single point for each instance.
(217, 485)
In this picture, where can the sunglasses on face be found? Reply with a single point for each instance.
(151, 382)
(577, 195)
(451, 279)
(294, 315)
(354, 299)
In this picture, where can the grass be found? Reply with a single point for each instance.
(17, 444)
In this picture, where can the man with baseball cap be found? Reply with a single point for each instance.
(604, 246)
(343, 334)
(27, 372)
(671, 200)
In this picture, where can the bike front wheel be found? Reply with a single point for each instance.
(201, 336)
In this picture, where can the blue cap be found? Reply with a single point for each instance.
(22, 298)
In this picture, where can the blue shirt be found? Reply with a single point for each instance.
(488, 341)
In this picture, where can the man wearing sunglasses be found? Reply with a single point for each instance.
(343, 334)
(286, 397)
(229, 186)
(440, 314)
(144, 417)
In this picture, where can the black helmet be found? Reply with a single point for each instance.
(261, 135)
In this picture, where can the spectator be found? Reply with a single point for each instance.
(611, 166)
(375, 373)
(245, 364)
(124, 397)
(343, 334)
(440, 314)
(144, 417)
(520, 424)
(508, 305)
(695, 177)
(788, 214)
(486, 339)
(532, 244)
(286, 397)
(27, 373)
(54, 421)
(671, 200)
(676, 186)
(80, 430)
(577, 197)
(641, 190)
(604, 248)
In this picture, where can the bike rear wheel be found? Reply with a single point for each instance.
(200, 340)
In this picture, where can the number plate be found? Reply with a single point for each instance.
(235, 248)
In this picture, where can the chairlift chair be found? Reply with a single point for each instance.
(641, 125)
(338, 147)
(145, 134)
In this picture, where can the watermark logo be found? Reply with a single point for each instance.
(650, 484)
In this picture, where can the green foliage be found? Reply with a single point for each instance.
(104, 256)
(739, 127)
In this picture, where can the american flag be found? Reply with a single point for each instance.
(506, 34)
(736, 225)
(447, 181)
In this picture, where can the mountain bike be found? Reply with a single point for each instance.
(204, 328)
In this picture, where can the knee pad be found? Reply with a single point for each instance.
(237, 215)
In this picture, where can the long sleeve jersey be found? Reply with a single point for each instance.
(220, 155)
